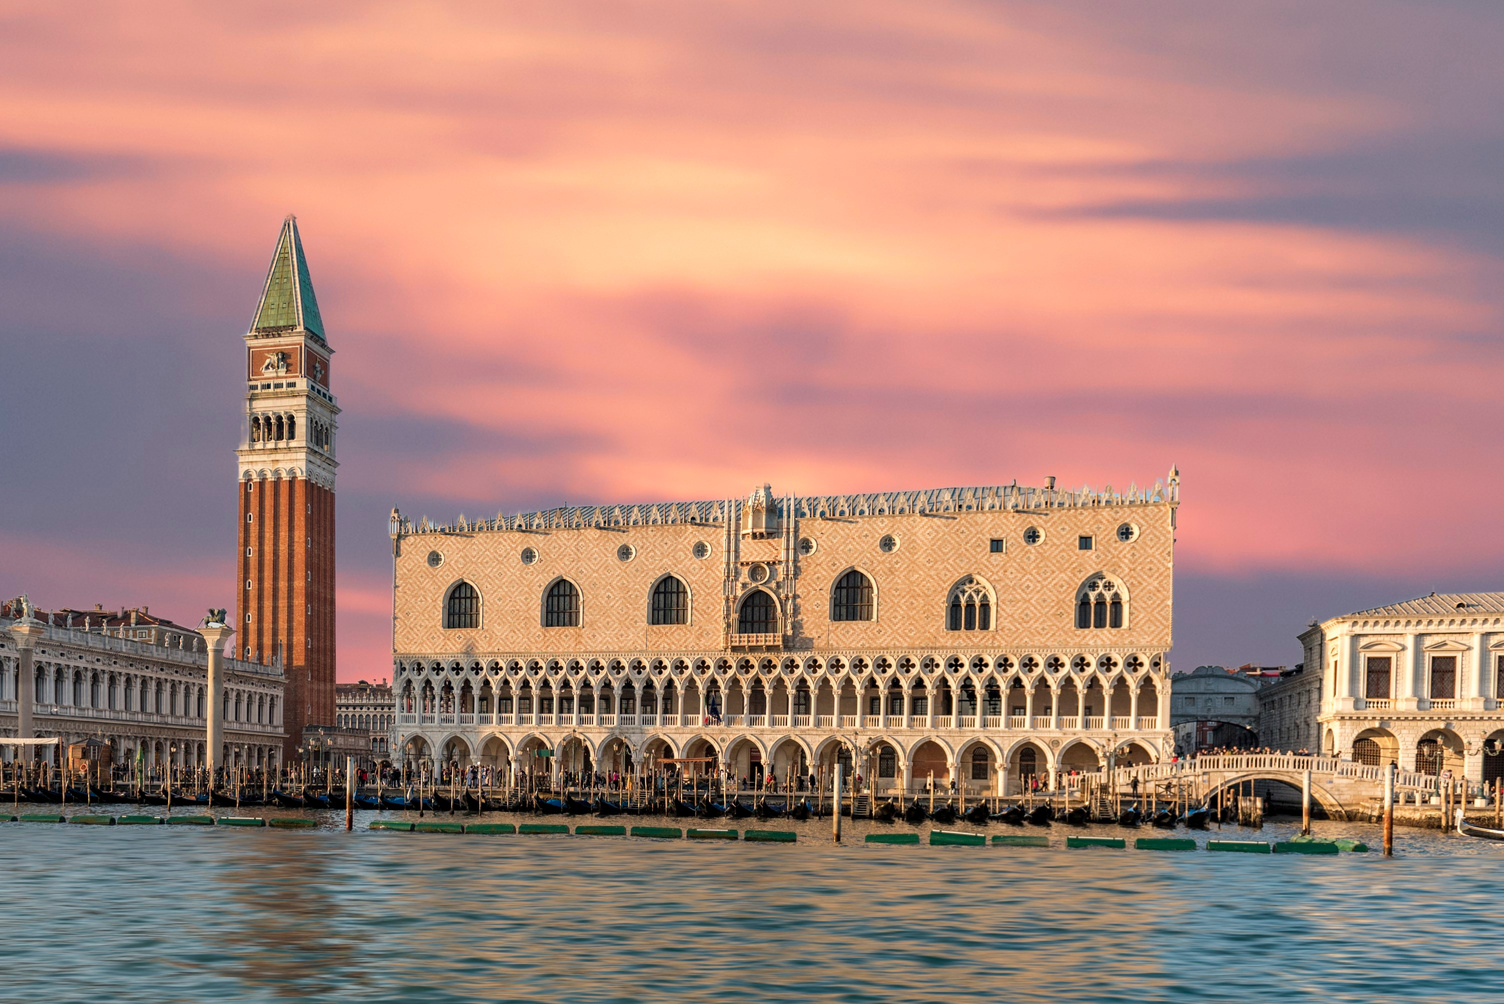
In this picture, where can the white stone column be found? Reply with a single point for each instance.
(1054, 708)
(1407, 670)
(26, 632)
(1133, 708)
(215, 632)
(1480, 679)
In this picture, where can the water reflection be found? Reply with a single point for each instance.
(324, 915)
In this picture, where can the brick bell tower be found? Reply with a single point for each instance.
(286, 489)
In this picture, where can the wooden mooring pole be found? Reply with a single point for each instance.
(349, 793)
(1305, 804)
(835, 817)
(1389, 811)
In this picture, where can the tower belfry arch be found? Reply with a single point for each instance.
(285, 608)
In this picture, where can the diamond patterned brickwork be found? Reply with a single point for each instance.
(1035, 585)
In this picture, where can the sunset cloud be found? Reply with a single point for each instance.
(605, 252)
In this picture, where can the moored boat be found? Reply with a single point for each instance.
(1013, 814)
(1481, 832)
(1130, 816)
(1041, 815)
(916, 813)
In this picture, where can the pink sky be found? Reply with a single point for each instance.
(635, 252)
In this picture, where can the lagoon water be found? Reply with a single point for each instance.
(198, 914)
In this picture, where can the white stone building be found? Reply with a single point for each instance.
(139, 686)
(1419, 682)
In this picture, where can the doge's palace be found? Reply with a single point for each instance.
(981, 635)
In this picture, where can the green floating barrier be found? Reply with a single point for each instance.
(190, 820)
(93, 820)
(1305, 847)
(241, 821)
(883, 838)
(1164, 844)
(543, 828)
(41, 817)
(1349, 844)
(711, 834)
(292, 823)
(437, 826)
(771, 836)
(392, 824)
(1116, 843)
(139, 821)
(1020, 840)
(491, 828)
(658, 832)
(1238, 846)
(594, 830)
(938, 837)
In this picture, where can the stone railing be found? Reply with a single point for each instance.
(783, 723)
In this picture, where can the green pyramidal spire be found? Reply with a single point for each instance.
(287, 301)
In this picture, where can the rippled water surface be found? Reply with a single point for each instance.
(194, 914)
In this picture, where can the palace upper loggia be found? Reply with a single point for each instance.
(980, 635)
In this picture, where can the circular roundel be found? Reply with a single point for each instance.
(701, 549)
(758, 573)
(807, 546)
(626, 552)
(529, 555)
(1033, 535)
(1128, 533)
(888, 544)
(435, 559)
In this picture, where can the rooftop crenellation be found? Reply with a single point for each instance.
(932, 501)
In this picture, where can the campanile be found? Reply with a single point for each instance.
(286, 489)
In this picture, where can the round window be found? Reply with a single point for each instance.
(1128, 533)
(626, 552)
(529, 555)
(701, 549)
(758, 573)
(435, 559)
(888, 544)
(1033, 535)
(807, 546)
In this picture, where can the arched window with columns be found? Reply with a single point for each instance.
(758, 613)
(1101, 602)
(561, 605)
(970, 605)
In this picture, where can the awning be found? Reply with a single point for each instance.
(30, 742)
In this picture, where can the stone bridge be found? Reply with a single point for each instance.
(1338, 786)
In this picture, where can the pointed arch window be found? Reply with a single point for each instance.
(970, 606)
(670, 602)
(758, 614)
(462, 608)
(561, 606)
(851, 600)
(1101, 602)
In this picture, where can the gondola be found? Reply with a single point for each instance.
(945, 814)
(313, 800)
(367, 802)
(915, 814)
(1130, 816)
(710, 810)
(1077, 816)
(978, 814)
(1013, 814)
(114, 797)
(549, 806)
(1481, 832)
(396, 802)
(1164, 819)
(887, 812)
(1042, 815)
(283, 799)
(770, 810)
(740, 810)
(50, 795)
(802, 810)
(605, 808)
(576, 806)
(227, 801)
(682, 809)
(152, 798)
(1197, 819)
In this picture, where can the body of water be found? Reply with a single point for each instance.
(196, 914)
